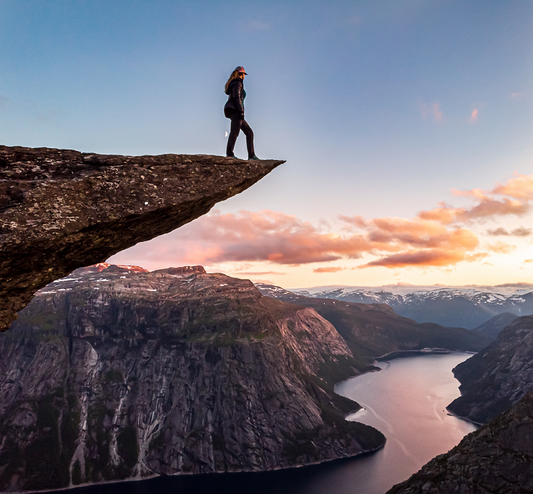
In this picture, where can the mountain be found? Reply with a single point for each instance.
(498, 376)
(495, 325)
(117, 373)
(454, 307)
(373, 330)
(62, 209)
(498, 458)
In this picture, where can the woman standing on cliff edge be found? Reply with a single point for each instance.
(234, 110)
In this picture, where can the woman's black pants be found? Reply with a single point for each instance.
(237, 124)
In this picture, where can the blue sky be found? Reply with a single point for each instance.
(380, 108)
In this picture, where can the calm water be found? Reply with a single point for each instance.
(406, 400)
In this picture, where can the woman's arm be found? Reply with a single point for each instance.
(236, 96)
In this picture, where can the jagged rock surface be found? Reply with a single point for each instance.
(114, 374)
(498, 376)
(496, 459)
(61, 209)
(372, 330)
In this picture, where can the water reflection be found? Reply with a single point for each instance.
(406, 401)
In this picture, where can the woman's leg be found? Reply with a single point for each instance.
(249, 133)
(236, 123)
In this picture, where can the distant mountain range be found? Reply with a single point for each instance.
(454, 307)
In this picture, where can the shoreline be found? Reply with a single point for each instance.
(466, 419)
(416, 353)
(384, 358)
(189, 475)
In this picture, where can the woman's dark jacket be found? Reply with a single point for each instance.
(236, 95)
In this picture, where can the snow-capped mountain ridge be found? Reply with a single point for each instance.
(466, 307)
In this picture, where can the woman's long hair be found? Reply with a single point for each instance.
(234, 75)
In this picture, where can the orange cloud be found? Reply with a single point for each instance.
(436, 237)
(332, 269)
(257, 273)
(520, 187)
(517, 232)
(265, 236)
(519, 191)
(473, 116)
(501, 248)
(439, 258)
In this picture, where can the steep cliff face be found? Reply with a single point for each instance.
(495, 325)
(60, 209)
(113, 374)
(372, 330)
(498, 376)
(498, 458)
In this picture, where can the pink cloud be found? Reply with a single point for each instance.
(433, 110)
(437, 112)
(332, 269)
(473, 116)
(436, 237)
(501, 248)
(520, 187)
(439, 258)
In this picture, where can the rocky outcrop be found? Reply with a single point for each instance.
(60, 209)
(498, 376)
(372, 330)
(115, 373)
(498, 458)
(495, 325)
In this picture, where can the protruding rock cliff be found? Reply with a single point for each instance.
(498, 458)
(497, 377)
(60, 209)
(115, 373)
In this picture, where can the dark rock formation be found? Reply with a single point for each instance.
(60, 209)
(498, 458)
(498, 376)
(115, 373)
(372, 330)
(495, 325)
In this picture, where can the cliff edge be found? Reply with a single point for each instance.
(62, 209)
(116, 373)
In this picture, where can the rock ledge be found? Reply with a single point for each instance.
(62, 209)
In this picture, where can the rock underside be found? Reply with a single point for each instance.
(114, 373)
(62, 209)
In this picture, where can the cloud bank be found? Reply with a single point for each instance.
(439, 237)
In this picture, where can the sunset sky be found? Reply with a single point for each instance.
(407, 126)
